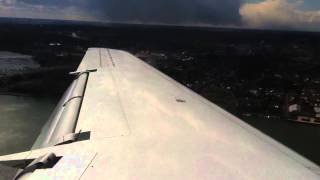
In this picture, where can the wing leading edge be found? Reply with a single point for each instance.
(141, 124)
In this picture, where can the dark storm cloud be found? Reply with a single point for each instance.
(173, 11)
(218, 12)
(61, 3)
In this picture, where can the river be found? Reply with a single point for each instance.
(21, 121)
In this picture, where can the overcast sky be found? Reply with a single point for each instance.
(270, 14)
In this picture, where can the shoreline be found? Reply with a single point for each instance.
(15, 94)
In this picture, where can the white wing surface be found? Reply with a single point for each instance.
(130, 121)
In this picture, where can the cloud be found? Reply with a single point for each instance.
(183, 12)
(271, 14)
(279, 14)
(193, 12)
(14, 8)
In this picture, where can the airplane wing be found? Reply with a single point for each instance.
(123, 119)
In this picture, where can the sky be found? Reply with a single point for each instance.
(262, 14)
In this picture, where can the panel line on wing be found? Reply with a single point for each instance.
(118, 94)
(100, 58)
(103, 112)
(111, 58)
(88, 165)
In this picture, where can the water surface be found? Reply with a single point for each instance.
(21, 119)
